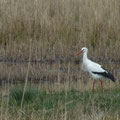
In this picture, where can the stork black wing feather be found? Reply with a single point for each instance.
(106, 74)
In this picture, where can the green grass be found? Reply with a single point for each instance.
(105, 101)
(42, 98)
(17, 93)
(109, 100)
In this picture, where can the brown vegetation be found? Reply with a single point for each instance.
(59, 28)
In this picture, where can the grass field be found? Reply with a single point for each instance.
(38, 40)
(42, 104)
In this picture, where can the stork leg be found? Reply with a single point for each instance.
(101, 82)
(93, 85)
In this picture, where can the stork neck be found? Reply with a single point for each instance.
(85, 56)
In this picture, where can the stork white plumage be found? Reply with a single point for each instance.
(94, 69)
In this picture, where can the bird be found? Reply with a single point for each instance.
(94, 69)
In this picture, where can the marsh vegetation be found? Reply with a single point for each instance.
(40, 77)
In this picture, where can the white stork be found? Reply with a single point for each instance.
(94, 69)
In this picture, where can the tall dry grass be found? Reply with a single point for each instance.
(59, 27)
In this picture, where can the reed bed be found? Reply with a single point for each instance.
(38, 40)
(59, 28)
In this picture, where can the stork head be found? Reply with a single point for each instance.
(83, 50)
